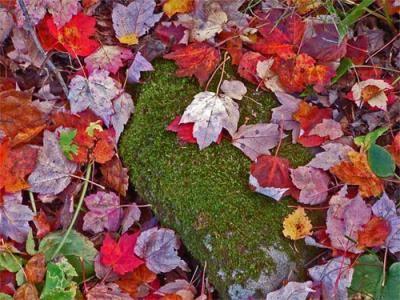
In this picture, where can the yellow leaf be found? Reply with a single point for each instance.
(130, 39)
(297, 225)
(172, 7)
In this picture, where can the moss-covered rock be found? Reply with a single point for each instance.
(204, 195)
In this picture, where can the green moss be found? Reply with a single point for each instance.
(204, 195)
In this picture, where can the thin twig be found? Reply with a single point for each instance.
(222, 72)
(32, 200)
(29, 26)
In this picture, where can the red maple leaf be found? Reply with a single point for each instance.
(374, 233)
(248, 66)
(120, 255)
(73, 37)
(198, 59)
(233, 44)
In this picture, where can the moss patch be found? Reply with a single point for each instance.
(204, 195)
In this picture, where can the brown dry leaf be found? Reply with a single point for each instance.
(115, 176)
(357, 172)
(26, 291)
(19, 119)
(35, 268)
(135, 283)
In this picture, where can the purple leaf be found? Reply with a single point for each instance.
(334, 153)
(123, 108)
(328, 128)
(7, 24)
(139, 64)
(158, 247)
(234, 89)
(109, 58)
(293, 290)
(104, 212)
(14, 217)
(132, 215)
(63, 10)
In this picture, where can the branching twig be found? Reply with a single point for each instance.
(49, 63)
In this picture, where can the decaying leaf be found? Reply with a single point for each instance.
(374, 233)
(27, 291)
(51, 175)
(312, 183)
(35, 269)
(115, 176)
(171, 7)
(210, 114)
(109, 58)
(328, 128)
(334, 153)
(158, 247)
(293, 290)
(297, 225)
(137, 282)
(109, 291)
(258, 139)
(234, 89)
(63, 10)
(131, 215)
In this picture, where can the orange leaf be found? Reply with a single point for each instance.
(171, 7)
(115, 176)
(357, 172)
(198, 59)
(374, 233)
(19, 119)
(26, 291)
(15, 165)
(135, 283)
(171, 297)
(42, 224)
(320, 76)
(35, 268)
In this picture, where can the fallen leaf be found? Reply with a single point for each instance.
(73, 37)
(51, 175)
(269, 175)
(14, 217)
(297, 225)
(258, 139)
(139, 64)
(104, 212)
(109, 291)
(345, 217)
(132, 21)
(214, 23)
(312, 183)
(328, 128)
(42, 224)
(270, 79)
(119, 255)
(136, 282)
(20, 119)
(335, 277)
(234, 89)
(333, 154)
(210, 114)
(357, 172)
(109, 58)
(115, 176)
(35, 8)
(293, 290)
(158, 247)
(198, 59)
(248, 66)
(35, 269)
(95, 92)
(170, 34)
(233, 44)
(371, 91)
(63, 10)
(374, 233)
(184, 132)
(171, 7)
(15, 165)
(132, 214)
(7, 24)
(27, 291)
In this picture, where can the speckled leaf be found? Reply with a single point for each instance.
(258, 139)
(234, 89)
(158, 247)
(283, 115)
(14, 217)
(63, 10)
(51, 175)
(293, 290)
(136, 18)
(123, 108)
(139, 64)
(109, 58)
(104, 212)
(335, 277)
(95, 93)
(210, 114)
(334, 153)
(313, 184)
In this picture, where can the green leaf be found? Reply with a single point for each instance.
(381, 161)
(344, 67)
(30, 244)
(20, 277)
(367, 277)
(5, 297)
(366, 141)
(10, 262)
(392, 286)
(58, 284)
(66, 138)
(75, 247)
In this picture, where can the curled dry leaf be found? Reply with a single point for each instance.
(297, 225)
(158, 247)
(210, 114)
(312, 183)
(52, 173)
(258, 139)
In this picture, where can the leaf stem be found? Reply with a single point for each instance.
(77, 210)
(33, 204)
(222, 72)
